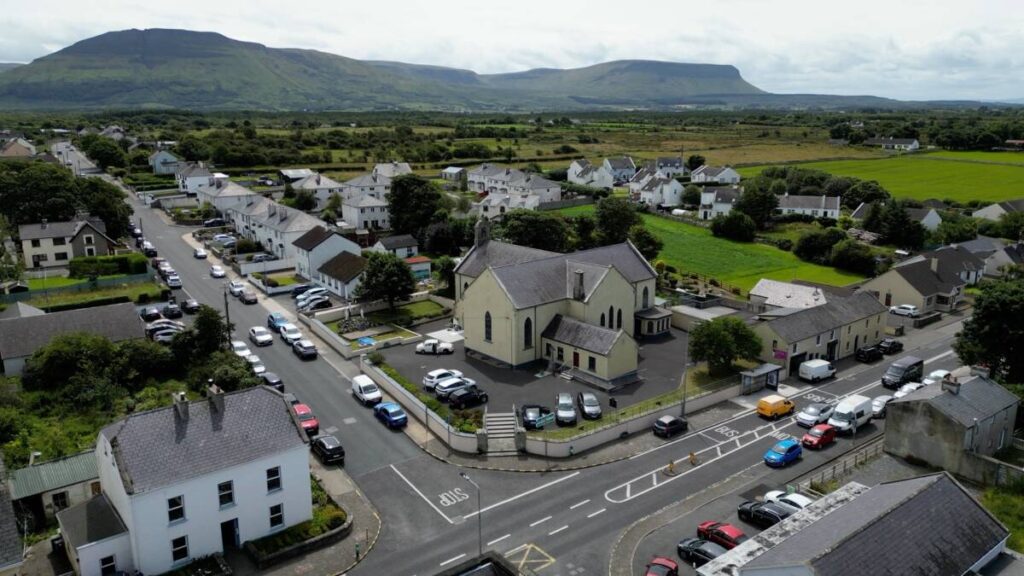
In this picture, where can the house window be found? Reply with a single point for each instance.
(176, 509)
(179, 549)
(95, 489)
(89, 240)
(618, 320)
(775, 344)
(602, 319)
(867, 322)
(108, 565)
(528, 334)
(848, 329)
(487, 326)
(611, 317)
(561, 354)
(60, 500)
(817, 340)
(35, 243)
(547, 350)
(226, 493)
(277, 516)
(794, 348)
(832, 335)
(591, 363)
(60, 241)
(273, 479)
(647, 295)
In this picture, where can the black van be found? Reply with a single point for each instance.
(906, 369)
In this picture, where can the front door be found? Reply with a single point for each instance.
(575, 359)
(856, 342)
(229, 534)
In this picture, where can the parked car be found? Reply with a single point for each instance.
(214, 222)
(775, 406)
(162, 324)
(299, 289)
(661, 566)
(311, 293)
(908, 310)
(235, 287)
(565, 411)
(229, 243)
(391, 414)
(172, 310)
(783, 452)
(310, 425)
(903, 370)
(263, 258)
(890, 346)
(305, 349)
(260, 336)
(165, 336)
(669, 426)
(240, 348)
(315, 304)
(273, 380)
(149, 314)
(136, 232)
(534, 416)
(247, 296)
(441, 374)
(290, 333)
(816, 370)
(814, 414)
(467, 398)
(256, 364)
(365, 390)
(793, 502)
(725, 535)
(164, 268)
(148, 250)
(329, 450)
(199, 253)
(174, 281)
(275, 320)
(878, 406)
(936, 376)
(906, 389)
(868, 354)
(852, 412)
(698, 552)
(820, 436)
(589, 405)
(446, 387)
(433, 346)
(762, 514)
(290, 398)
(218, 272)
(190, 306)
(222, 237)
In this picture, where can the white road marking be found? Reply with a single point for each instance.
(592, 514)
(450, 560)
(518, 496)
(541, 521)
(553, 532)
(578, 504)
(496, 540)
(708, 438)
(425, 499)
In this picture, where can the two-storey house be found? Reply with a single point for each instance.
(715, 174)
(272, 225)
(318, 246)
(54, 244)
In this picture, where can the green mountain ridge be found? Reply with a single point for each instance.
(5, 66)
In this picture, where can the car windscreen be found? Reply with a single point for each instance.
(812, 410)
(895, 371)
(306, 416)
(779, 449)
(532, 414)
(368, 388)
(843, 416)
(590, 401)
(816, 432)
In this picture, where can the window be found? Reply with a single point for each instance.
(817, 340)
(35, 243)
(611, 317)
(848, 329)
(602, 319)
(226, 493)
(775, 344)
(179, 549)
(866, 322)
(95, 489)
(89, 240)
(591, 363)
(90, 251)
(794, 348)
(647, 295)
(273, 479)
(108, 565)
(60, 500)
(277, 515)
(60, 256)
(561, 354)
(60, 241)
(547, 351)
(487, 326)
(618, 321)
(528, 334)
(176, 509)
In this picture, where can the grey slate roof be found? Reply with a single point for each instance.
(313, 238)
(926, 281)
(1015, 253)
(296, 173)
(621, 163)
(345, 267)
(809, 202)
(398, 241)
(19, 310)
(724, 194)
(21, 337)
(581, 335)
(954, 259)
(832, 315)
(922, 526)
(53, 474)
(155, 448)
(982, 245)
(90, 521)
(193, 170)
(979, 398)
(711, 171)
(392, 169)
(10, 542)
(669, 161)
(59, 229)
(494, 253)
(368, 180)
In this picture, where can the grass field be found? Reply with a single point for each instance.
(60, 281)
(1007, 504)
(694, 249)
(992, 157)
(132, 291)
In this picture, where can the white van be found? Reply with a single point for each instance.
(814, 370)
(855, 410)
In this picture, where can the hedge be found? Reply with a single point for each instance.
(87, 304)
(85, 266)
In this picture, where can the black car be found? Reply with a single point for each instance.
(190, 306)
(139, 240)
(762, 514)
(890, 346)
(318, 304)
(669, 426)
(172, 310)
(467, 397)
(273, 380)
(699, 552)
(532, 414)
(247, 296)
(329, 450)
(300, 289)
(304, 349)
(149, 252)
(150, 314)
(213, 222)
(136, 232)
(868, 354)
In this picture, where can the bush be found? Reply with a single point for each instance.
(735, 226)
(246, 246)
(87, 304)
(85, 266)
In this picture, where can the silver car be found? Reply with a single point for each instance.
(589, 405)
(814, 414)
(878, 406)
(445, 388)
(565, 411)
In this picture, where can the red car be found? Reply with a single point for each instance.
(306, 418)
(725, 535)
(820, 436)
(661, 566)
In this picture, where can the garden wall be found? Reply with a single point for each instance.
(246, 268)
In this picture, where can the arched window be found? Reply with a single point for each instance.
(602, 319)
(611, 317)
(647, 296)
(528, 333)
(487, 326)
(618, 319)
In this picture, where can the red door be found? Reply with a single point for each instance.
(575, 359)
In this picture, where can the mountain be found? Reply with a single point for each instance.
(5, 66)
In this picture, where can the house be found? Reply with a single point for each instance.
(341, 274)
(815, 206)
(375, 185)
(715, 175)
(114, 132)
(717, 201)
(191, 175)
(11, 548)
(902, 144)
(999, 260)
(271, 225)
(189, 480)
(223, 195)
(401, 245)
(163, 162)
(660, 191)
(583, 311)
(294, 174)
(583, 173)
(17, 148)
(54, 244)
(925, 525)
(420, 266)
(982, 246)
(922, 283)
(995, 211)
(644, 175)
(42, 489)
(497, 179)
(496, 204)
(832, 331)
(671, 166)
(928, 217)
(454, 174)
(321, 186)
(476, 178)
(366, 213)
(950, 423)
(316, 247)
(392, 169)
(955, 260)
(622, 168)
(771, 294)
(21, 337)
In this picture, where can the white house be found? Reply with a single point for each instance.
(622, 168)
(274, 226)
(816, 206)
(671, 166)
(163, 162)
(392, 169)
(928, 217)
(341, 274)
(294, 174)
(321, 186)
(476, 178)
(496, 204)
(453, 174)
(904, 144)
(995, 211)
(317, 246)
(189, 480)
(583, 173)
(366, 212)
(375, 185)
(715, 174)
(532, 184)
(401, 245)
(641, 178)
(191, 175)
(1012, 255)
(662, 192)
(223, 195)
(717, 201)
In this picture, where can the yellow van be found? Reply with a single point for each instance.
(775, 406)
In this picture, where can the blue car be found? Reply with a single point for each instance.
(390, 414)
(275, 320)
(783, 453)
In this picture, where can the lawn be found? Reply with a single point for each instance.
(1007, 504)
(991, 157)
(132, 291)
(407, 313)
(693, 249)
(60, 281)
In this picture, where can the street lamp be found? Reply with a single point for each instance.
(479, 515)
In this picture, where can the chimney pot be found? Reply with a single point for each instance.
(951, 384)
(216, 396)
(180, 406)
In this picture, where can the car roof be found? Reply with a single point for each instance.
(798, 498)
(270, 376)
(329, 441)
(452, 380)
(276, 315)
(289, 326)
(389, 406)
(301, 408)
(787, 442)
(439, 371)
(304, 343)
(821, 427)
(730, 530)
(667, 419)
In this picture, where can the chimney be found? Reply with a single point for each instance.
(577, 289)
(180, 406)
(317, 179)
(482, 232)
(216, 397)
(934, 263)
(951, 384)
(43, 225)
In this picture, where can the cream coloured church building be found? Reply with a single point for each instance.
(583, 310)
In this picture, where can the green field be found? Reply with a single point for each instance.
(960, 176)
(694, 249)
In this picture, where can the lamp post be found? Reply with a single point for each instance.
(479, 515)
(227, 317)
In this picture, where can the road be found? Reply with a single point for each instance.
(73, 159)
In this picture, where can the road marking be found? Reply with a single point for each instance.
(518, 496)
(496, 540)
(578, 504)
(541, 521)
(592, 514)
(553, 532)
(533, 557)
(425, 499)
(450, 560)
(708, 438)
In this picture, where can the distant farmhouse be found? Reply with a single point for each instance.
(902, 144)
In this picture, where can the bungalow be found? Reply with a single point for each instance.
(272, 225)
(55, 244)
(903, 144)
(392, 169)
(17, 148)
(366, 212)
(294, 174)
(660, 191)
(816, 206)
(375, 185)
(922, 283)
(928, 217)
(317, 246)
(955, 260)
(341, 274)
(496, 204)
(401, 245)
(114, 132)
(671, 166)
(718, 201)
(995, 211)
(1008, 256)
(223, 195)
(321, 186)
(584, 173)
(622, 168)
(715, 174)
(164, 162)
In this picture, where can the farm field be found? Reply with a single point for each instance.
(694, 249)
(993, 157)
(922, 177)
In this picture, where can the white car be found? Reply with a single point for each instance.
(365, 390)
(309, 295)
(240, 348)
(235, 287)
(260, 336)
(433, 346)
(908, 310)
(434, 377)
(313, 303)
(217, 272)
(290, 333)
(223, 237)
(792, 502)
(256, 364)
(445, 388)
(814, 414)
(907, 389)
(878, 406)
(936, 376)
(199, 253)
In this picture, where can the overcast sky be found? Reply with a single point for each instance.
(907, 49)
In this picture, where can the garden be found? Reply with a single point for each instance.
(327, 516)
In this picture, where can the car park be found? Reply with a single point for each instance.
(434, 346)
(468, 397)
(762, 514)
(725, 535)
(819, 436)
(329, 450)
(446, 387)
(391, 414)
(661, 566)
(816, 370)
(190, 306)
(908, 310)
(290, 333)
(793, 502)
(868, 354)
(247, 297)
(439, 375)
(890, 346)
(535, 416)
(589, 405)
(698, 552)
(256, 364)
(235, 287)
(878, 406)
(162, 324)
(365, 390)
(851, 412)
(149, 314)
(565, 411)
(813, 414)
(310, 425)
(199, 254)
(240, 348)
(903, 370)
(783, 452)
(775, 406)
(172, 310)
(275, 320)
(668, 426)
(273, 380)
(260, 336)
(907, 388)
(305, 349)
(174, 281)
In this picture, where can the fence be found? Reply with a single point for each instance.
(842, 467)
(565, 203)
(84, 286)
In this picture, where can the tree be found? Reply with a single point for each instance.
(760, 202)
(695, 161)
(614, 217)
(899, 229)
(386, 277)
(720, 341)
(106, 202)
(873, 221)
(848, 254)
(816, 245)
(305, 200)
(955, 229)
(645, 241)
(72, 369)
(543, 230)
(333, 204)
(584, 228)
(994, 334)
(1011, 225)
(865, 191)
(191, 148)
(445, 267)
(106, 153)
(735, 226)
(413, 204)
(691, 195)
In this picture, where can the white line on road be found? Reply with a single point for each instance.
(425, 499)
(592, 514)
(541, 521)
(518, 496)
(708, 438)
(553, 532)
(450, 560)
(496, 540)
(578, 504)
